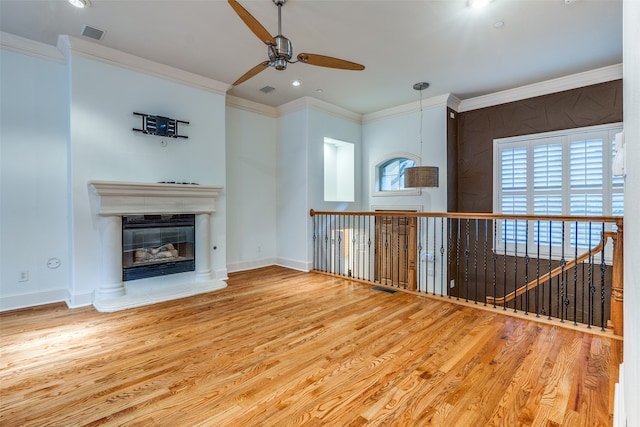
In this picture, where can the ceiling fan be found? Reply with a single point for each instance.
(279, 48)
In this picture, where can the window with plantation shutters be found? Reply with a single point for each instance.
(556, 173)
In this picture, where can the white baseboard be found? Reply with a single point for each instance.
(305, 266)
(15, 302)
(250, 265)
(79, 300)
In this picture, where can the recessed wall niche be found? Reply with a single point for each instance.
(339, 173)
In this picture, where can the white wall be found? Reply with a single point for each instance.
(251, 189)
(291, 192)
(33, 180)
(65, 124)
(631, 95)
(104, 147)
(325, 125)
(400, 134)
(302, 130)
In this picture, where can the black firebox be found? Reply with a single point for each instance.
(157, 245)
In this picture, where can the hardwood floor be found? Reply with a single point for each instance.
(284, 348)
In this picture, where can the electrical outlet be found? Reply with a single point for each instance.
(24, 276)
(452, 284)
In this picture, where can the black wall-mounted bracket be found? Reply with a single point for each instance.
(160, 126)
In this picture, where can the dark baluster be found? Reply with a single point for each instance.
(434, 254)
(424, 270)
(352, 253)
(466, 261)
(327, 250)
(537, 291)
(442, 257)
(495, 260)
(475, 266)
(315, 247)
(561, 294)
(332, 241)
(450, 223)
(356, 256)
(526, 269)
(515, 264)
(339, 251)
(592, 288)
(368, 257)
(504, 265)
(457, 260)
(583, 275)
(550, 269)
(603, 269)
(575, 281)
(484, 258)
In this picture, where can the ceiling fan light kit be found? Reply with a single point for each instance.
(280, 49)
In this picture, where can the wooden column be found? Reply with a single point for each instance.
(617, 285)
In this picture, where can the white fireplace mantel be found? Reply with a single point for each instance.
(112, 200)
(130, 198)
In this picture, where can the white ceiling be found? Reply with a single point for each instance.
(446, 43)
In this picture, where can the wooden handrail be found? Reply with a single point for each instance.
(474, 215)
(553, 273)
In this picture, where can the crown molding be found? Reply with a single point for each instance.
(427, 103)
(307, 102)
(72, 46)
(453, 102)
(251, 106)
(24, 46)
(573, 81)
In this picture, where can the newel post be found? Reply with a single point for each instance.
(617, 285)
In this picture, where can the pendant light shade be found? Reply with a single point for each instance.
(421, 176)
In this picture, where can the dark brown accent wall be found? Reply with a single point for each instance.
(586, 106)
(452, 160)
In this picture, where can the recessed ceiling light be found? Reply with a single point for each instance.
(79, 3)
(498, 24)
(318, 90)
(296, 83)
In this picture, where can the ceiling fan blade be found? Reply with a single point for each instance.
(327, 61)
(252, 72)
(252, 23)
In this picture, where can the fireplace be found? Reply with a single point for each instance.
(157, 245)
(159, 227)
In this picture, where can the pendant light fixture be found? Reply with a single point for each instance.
(421, 176)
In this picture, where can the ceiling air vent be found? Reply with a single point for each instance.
(93, 33)
(267, 89)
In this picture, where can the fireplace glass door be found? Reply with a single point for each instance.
(157, 245)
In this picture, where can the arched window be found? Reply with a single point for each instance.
(390, 174)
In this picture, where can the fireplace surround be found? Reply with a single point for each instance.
(111, 201)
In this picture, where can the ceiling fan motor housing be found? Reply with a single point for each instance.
(281, 53)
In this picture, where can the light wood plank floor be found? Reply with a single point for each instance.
(284, 348)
